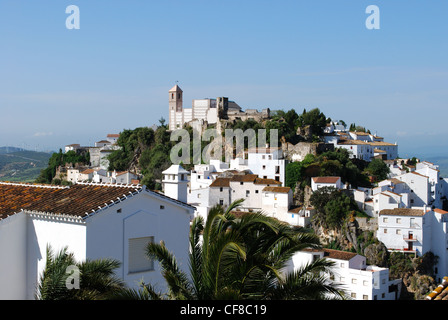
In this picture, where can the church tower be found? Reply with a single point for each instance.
(175, 107)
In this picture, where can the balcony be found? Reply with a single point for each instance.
(403, 250)
(410, 238)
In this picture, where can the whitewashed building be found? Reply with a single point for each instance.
(259, 195)
(267, 163)
(321, 182)
(357, 149)
(93, 221)
(352, 274)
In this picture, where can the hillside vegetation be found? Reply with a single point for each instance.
(21, 166)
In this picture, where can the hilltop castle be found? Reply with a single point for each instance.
(209, 111)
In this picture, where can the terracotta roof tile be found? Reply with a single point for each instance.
(244, 177)
(220, 182)
(267, 181)
(277, 189)
(402, 212)
(338, 254)
(326, 179)
(75, 200)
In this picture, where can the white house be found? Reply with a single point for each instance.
(320, 182)
(113, 137)
(276, 201)
(299, 216)
(419, 188)
(358, 149)
(416, 231)
(405, 229)
(267, 163)
(390, 149)
(351, 272)
(93, 221)
(259, 195)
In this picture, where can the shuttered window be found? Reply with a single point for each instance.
(138, 260)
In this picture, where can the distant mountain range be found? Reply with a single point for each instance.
(20, 165)
(4, 150)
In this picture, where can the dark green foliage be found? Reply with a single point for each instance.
(146, 149)
(378, 168)
(242, 258)
(332, 206)
(313, 118)
(97, 280)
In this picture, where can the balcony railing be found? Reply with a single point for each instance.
(410, 237)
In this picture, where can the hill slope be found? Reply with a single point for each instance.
(23, 166)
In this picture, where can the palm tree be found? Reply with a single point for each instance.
(97, 280)
(241, 257)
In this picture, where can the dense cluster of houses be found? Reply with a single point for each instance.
(110, 215)
(97, 169)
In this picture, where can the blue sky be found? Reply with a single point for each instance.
(60, 86)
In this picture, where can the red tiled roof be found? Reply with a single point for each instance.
(76, 200)
(220, 182)
(338, 254)
(244, 177)
(402, 212)
(326, 179)
(267, 181)
(277, 189)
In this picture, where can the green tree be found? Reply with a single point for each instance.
(241, 258)
(313, 118)
(378, 168)
(332, 206)
(60, 159)
(97, 280)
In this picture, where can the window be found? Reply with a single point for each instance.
(220, 189)
(241, 183)
(398, 220)
(365, 297)
(247, 193)
(398, 231)
(365, 283)
(277, 169)
(138, 260)
(264, 167)
(162, 207)
(221, 202)
(256, 191)
(353, 295)
(354, 281)
(385, 220)
(385, 230)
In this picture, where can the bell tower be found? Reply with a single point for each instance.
(175, 103)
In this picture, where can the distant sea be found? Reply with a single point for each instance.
(442, 162)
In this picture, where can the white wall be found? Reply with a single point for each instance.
(108, 234)
(13, 278)
(43, 231)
